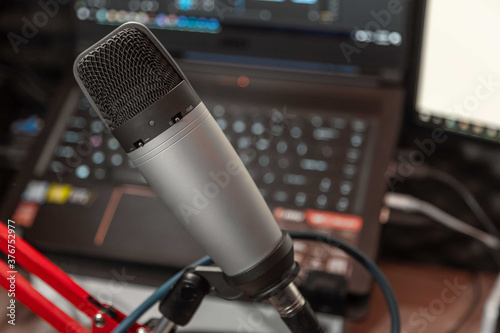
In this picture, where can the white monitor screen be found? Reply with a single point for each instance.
(459, 79)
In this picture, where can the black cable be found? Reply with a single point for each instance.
(463, 191)
(364, 260)
(477, 292)
(410, 204)
(417, 242)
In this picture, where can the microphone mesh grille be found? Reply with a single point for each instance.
(125, 75)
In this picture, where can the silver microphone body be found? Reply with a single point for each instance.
(145, 100)
(196, 172)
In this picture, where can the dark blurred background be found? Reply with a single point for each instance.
(30, 81)
(33, 80)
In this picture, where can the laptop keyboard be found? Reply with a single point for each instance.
(299, 160)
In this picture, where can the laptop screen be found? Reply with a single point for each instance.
(459, 69)
(324, 35)
(311, 148)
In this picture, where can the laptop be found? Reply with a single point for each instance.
(310, 93)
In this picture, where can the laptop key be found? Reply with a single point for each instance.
(300, 199)
(317, 121)
(244, 142)
(257, 128)
(294, 179)
(296, 132)
(239, 126)
(116, 160)
(314, 165)
(326, 134)
(264, 161)
(269, 178)
(283, 163)
(222, 124)
(282, 147)
(353, 155)
(325, 185)
(280, 196)
(342, 204)
(346, 188)
(327, 151)
(218, 110)
(358, 125)
(349, 170)
(302, 149)
(100, 174)
(277, 129)
(262, 144)
(321, 201)
(357, 140)
(338, 123)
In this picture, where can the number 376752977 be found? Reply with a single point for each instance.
(11, 245)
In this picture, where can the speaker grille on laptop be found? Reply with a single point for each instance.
(125, 75)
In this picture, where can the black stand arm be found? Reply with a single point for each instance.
(271, 279)
(182, 301)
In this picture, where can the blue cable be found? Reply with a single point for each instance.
(155, 297)
(362, 258)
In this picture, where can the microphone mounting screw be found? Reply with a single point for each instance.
(151, 123)
(99, 320)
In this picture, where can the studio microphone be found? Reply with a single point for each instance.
(147, 103)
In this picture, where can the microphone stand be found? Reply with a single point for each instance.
(182, 301)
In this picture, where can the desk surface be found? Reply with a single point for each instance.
(432, 299)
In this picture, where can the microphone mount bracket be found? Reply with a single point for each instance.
(180, 304)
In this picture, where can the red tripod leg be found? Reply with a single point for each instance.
(18, 287)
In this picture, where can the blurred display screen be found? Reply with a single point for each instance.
(349, 33)
(206, 15)
(459, 80)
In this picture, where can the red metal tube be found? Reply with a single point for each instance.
(22, 290)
